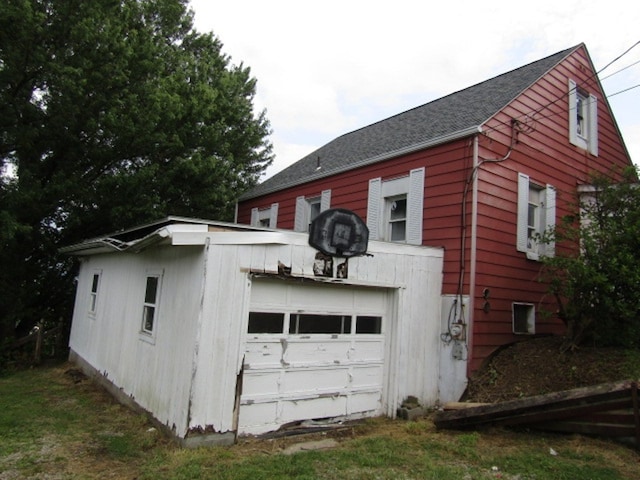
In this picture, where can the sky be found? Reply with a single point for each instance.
(327, 68)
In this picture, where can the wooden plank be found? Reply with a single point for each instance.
(566, 404)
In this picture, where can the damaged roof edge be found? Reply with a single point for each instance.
(258, 192)
(109, 244)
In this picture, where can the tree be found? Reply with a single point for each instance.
(597, 282)
(112, 113)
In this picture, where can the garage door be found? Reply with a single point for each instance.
(313, 351)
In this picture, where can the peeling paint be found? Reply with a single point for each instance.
(342, 271)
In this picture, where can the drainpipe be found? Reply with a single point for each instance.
(473, 254)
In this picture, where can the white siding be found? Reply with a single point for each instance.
(156, 375)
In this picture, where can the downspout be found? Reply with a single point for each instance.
(473, 253)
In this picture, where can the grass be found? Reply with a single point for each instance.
(51, 427)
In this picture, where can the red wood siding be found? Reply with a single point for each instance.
(542, 151)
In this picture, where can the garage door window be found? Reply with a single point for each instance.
(266, 322)
(312, 323)
(318, 323)
(368, 324)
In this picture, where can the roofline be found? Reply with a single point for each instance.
(368, 161)
(112, 243)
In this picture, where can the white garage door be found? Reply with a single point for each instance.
(313, 351)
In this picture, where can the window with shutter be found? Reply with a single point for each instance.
(395, 208)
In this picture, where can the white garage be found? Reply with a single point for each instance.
(312, 351)
(219, 330)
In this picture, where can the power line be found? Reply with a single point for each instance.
(625, 90)
(531, 114)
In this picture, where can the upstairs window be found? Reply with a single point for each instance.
(583, 119)
(536, 214)
(308, 208)
(396, 218)
(265, 217)
(395, 208)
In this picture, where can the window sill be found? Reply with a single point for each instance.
(533, 256)
(147, 337)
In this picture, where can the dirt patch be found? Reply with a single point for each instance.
(539, 366)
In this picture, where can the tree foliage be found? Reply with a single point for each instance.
(597, 283)
(112, 113)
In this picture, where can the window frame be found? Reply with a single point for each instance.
(583, 106)
(351, 324)
(546, 217)
(94, 295)
(531, 318)
(382, 191)
(150, 333)
(265, 217)
(390, 221)
(304, 209)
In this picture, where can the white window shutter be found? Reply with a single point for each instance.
(273, 216)
(550, 218)
(573, 106)
(301, 214)
(325, 200)
(415, 211)
(523, 211)
(593, 125)
(373, 208)
(254, 217)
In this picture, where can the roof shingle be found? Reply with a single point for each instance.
(453, 116)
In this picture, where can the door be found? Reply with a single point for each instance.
(313, 351)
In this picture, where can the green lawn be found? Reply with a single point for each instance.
(51, 427)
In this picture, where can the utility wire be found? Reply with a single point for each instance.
(505, 125)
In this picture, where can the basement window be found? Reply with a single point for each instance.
(524, 319)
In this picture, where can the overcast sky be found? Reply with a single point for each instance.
(328, 68)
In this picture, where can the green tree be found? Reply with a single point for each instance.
(112, 113)
(597, 281)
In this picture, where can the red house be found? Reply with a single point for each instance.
(478, 172)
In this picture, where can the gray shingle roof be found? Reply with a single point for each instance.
(453, 116)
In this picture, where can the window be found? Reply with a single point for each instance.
(319, 323)
(368, 324)
(395, 208)
(308, 208)
(536, 214)
(266, 322)
(524, 318)
(93, 294)
(265, 217)
(150, 306)
(312, 323)
(583, 119)
(396, 218)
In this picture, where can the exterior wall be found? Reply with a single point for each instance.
(543, 152)
(446, 170)
(414, 273)
(157, 376)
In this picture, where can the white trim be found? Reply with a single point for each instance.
(415, 209)
(523, 206)
(589, 141)
(146, 334)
